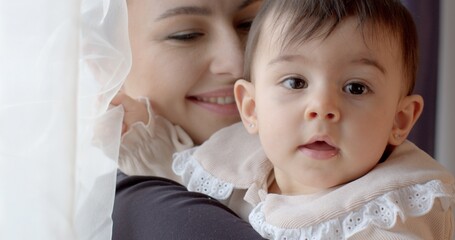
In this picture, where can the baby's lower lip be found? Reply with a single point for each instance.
(319, 151)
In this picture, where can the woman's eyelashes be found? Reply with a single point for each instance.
(186, 36)
(245, 26)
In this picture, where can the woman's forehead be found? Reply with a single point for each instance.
(158, 9)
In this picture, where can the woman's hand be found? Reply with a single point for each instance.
(135, 110)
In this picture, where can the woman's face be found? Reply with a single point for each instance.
(186, 56)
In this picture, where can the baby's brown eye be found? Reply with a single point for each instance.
(356, 88)
(294, 83)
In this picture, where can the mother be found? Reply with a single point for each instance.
(186, 56)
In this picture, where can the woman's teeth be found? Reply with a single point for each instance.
(217, 100)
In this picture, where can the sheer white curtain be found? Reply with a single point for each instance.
(445, 134)
(61, 62)
(445, 131)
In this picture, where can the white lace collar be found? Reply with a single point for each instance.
(383, 212)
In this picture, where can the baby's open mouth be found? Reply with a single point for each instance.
(320, 146)
(319, 150)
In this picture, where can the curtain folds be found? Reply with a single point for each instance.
(445, 131)
(426, 16)
(60, 64)
(434, 131)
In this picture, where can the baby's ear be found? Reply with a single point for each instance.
(409, 110)
(244, 97)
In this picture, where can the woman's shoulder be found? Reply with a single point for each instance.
(230, 159)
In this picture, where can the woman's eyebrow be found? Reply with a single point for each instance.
(185, 10)
(246, 3)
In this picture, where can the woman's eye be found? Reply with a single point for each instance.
(356, 88)
(245, 26)
(294, 83)
(185, 36)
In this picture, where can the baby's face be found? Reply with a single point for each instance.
(326, 108)
(187, 55)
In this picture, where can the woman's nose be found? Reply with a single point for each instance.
(228, 56)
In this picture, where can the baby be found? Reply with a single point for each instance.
(327, 105)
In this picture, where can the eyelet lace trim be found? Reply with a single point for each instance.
(197, 179)
(416, 200)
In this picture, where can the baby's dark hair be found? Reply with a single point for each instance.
(312, 19)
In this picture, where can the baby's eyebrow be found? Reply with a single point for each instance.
(286, 58)
(185, 10)
(362, 61)
(370, 62)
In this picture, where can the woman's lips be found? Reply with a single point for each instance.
(319, 150)
(220, 101)
(217, 100)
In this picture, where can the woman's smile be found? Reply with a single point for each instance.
(219, 101)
